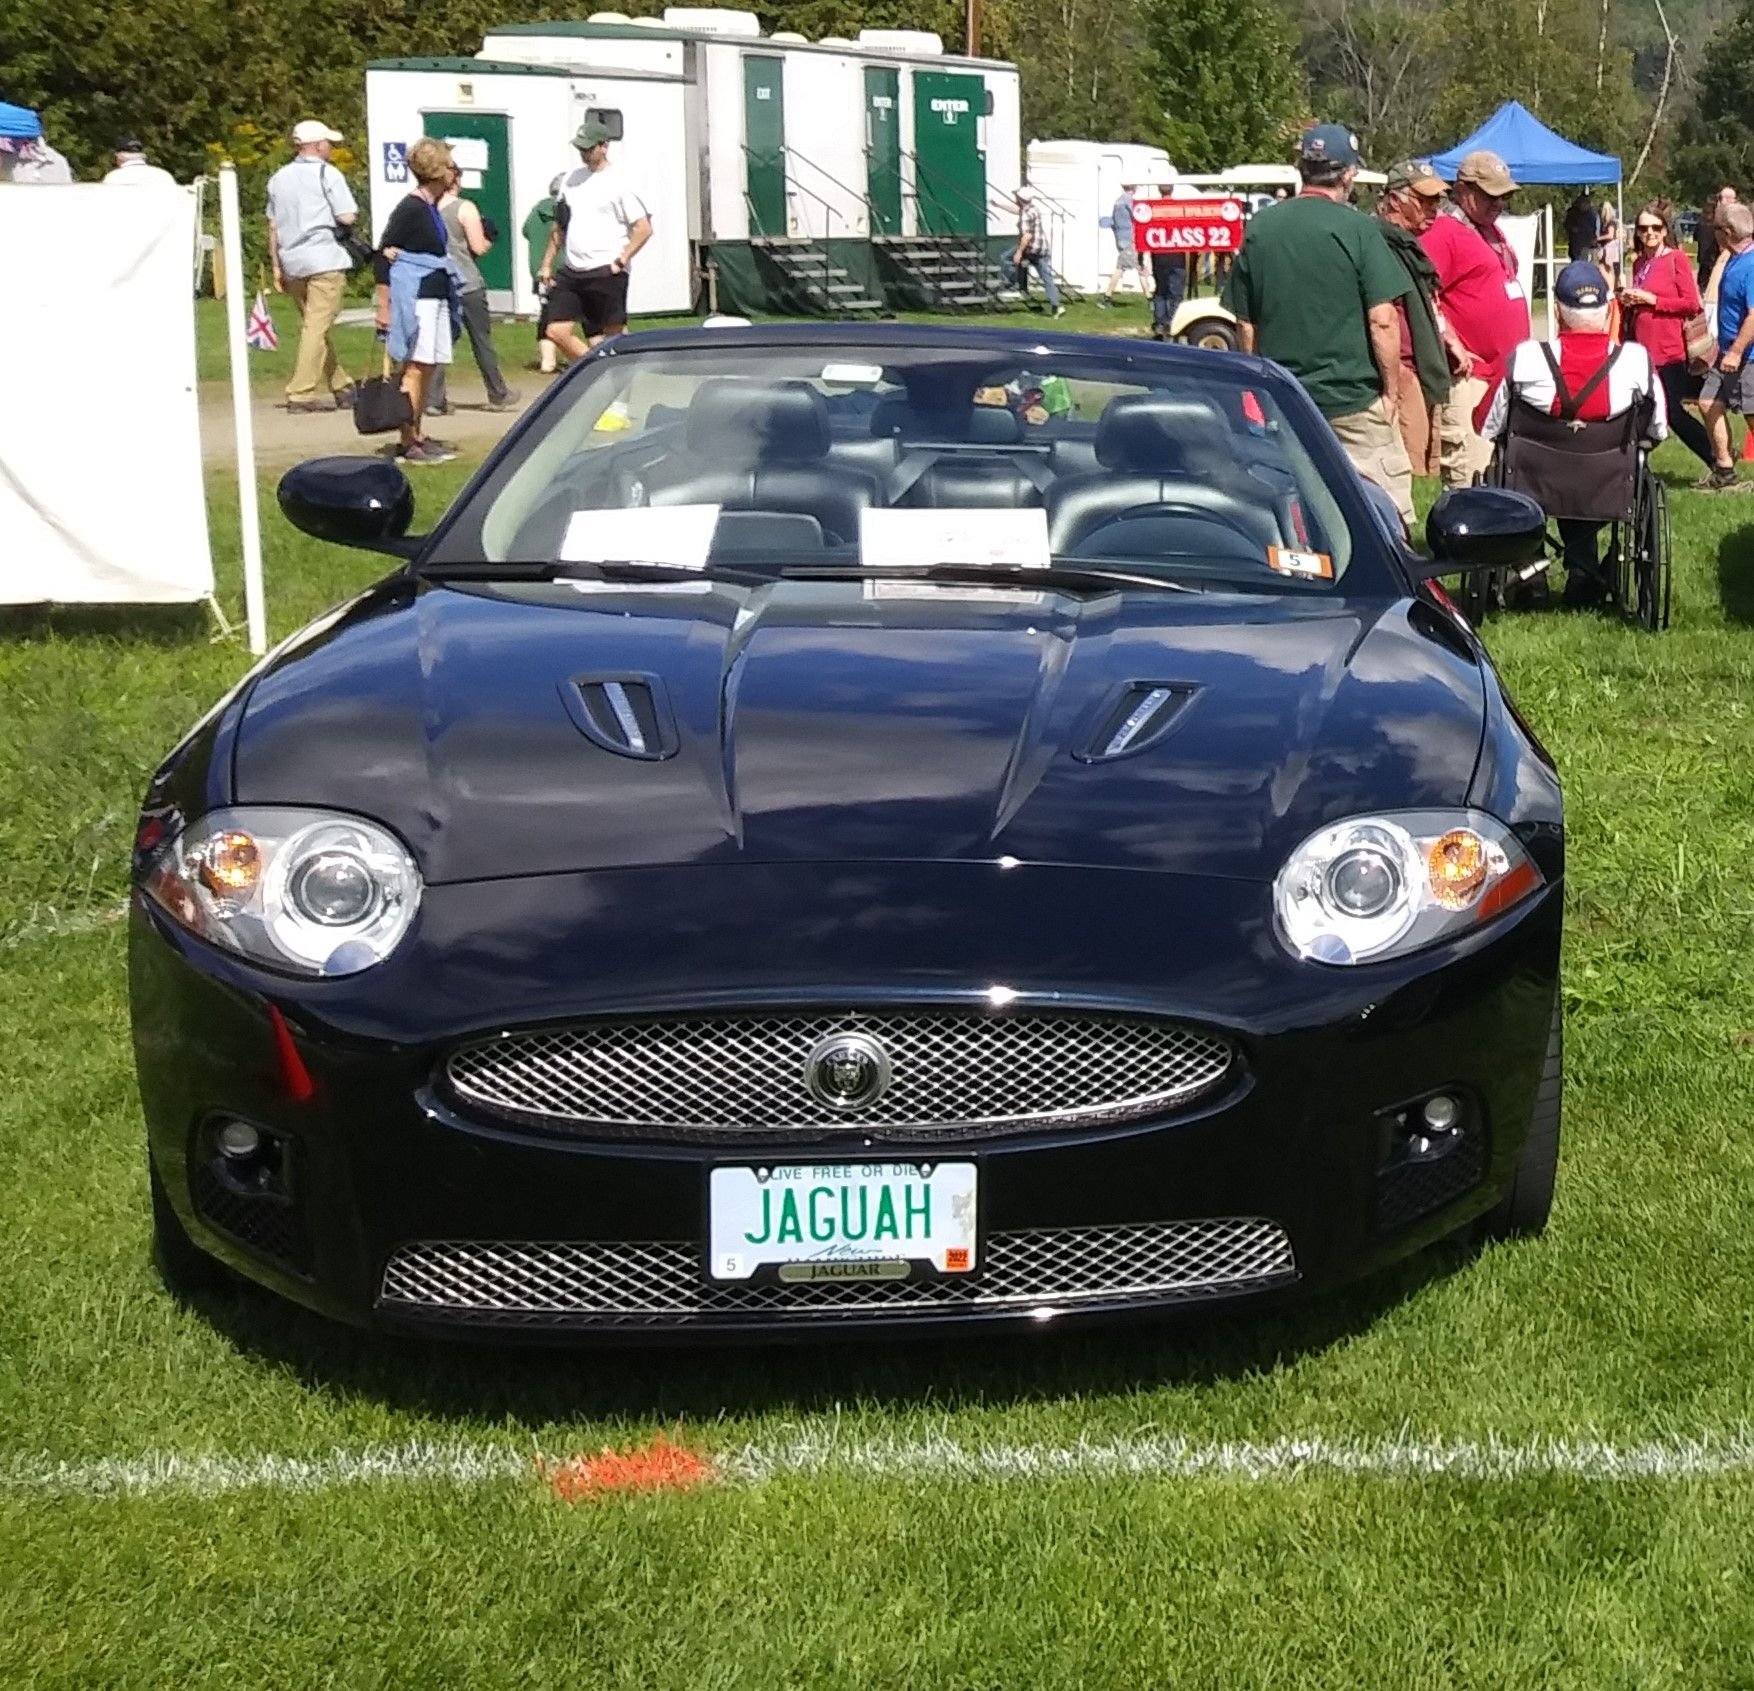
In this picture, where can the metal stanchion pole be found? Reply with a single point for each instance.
(243, 426)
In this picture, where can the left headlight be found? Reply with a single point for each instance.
(1375, 887)
(311, 891)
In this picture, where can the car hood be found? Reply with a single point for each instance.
(860, 721)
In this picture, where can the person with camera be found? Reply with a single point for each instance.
(311, 214)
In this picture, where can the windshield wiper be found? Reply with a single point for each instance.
(1026, 575)
(617, 571)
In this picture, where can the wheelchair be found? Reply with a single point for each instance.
(1589, 472)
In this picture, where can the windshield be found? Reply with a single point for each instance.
(796, 457)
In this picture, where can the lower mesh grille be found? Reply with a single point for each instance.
(662, 1282)
(1409, 1191)
(264, 1223)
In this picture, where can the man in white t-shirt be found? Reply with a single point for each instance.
(602, 222)
(133, 171)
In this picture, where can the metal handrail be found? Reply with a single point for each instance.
(851, 192)
(791, 182)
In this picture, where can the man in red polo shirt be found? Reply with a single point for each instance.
(1480, 296)
(1596, 379)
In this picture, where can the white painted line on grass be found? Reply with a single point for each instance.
(932, 1458)
(58, 927)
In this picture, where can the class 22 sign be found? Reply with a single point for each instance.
(1175, 226)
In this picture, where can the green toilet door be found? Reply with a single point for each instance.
(764, 142)
(481, 143)
(883, 148)
(950, 170)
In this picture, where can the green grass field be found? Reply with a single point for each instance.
(923, 1533)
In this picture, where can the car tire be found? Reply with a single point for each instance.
(183, 1266)
(1213, 333)
(1523, 1211)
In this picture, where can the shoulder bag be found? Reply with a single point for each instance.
(380, 406)
(357, 248)
(1699, 333)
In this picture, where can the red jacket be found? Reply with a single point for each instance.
(1657, 328)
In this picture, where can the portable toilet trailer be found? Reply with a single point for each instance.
(1078, 183)
(836, 177)
(510, 127)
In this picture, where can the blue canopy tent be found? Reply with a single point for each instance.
(1532, 150)
(1535, 154)
(19, 123)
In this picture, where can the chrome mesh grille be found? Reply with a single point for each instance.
(659, 1283)
(952, 1074)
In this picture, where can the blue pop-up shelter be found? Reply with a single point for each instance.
(1532, 150)
(19, 123)
(1534, 153)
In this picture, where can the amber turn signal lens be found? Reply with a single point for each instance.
(230, 865)
(1457, 866)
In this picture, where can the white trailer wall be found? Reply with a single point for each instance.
(1080, 181)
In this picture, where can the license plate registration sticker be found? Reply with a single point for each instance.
(832, 1221)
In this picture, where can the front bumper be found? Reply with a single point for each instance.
(393, 1205)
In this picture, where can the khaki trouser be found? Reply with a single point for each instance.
(1374, 445)
(1418, 424)
(1463, 455)
(318, 299)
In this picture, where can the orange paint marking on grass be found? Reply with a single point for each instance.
(658, 1465)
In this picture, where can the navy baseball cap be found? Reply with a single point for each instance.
(1330, 143)
(1581, 286)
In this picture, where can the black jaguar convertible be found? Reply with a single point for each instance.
(858, 829)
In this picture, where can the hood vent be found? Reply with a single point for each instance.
(626, 714)
(1137, 717)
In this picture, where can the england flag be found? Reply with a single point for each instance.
(260, 335)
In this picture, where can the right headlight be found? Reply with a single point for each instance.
(311, 891)
(1374, 887)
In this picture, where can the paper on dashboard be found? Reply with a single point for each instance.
(678, 536)
(995, 538)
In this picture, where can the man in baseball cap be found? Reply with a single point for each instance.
(309, 207)
(601, 222)
(1315, 287)
(1592, 380)
(1430, 354)
(1481, 296)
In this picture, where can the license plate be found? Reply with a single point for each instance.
(841, 1221)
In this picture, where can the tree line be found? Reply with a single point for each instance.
(1666, 84)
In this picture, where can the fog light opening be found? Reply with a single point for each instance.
(239, 1142)
(1432, 1128)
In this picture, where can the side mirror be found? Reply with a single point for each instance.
(363, 502)
(1483, 528)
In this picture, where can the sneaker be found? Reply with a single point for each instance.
(1724, 476)
(305, 407)
(427, 452)
(443, 409)
(507, 401)
(345, 397)
(1059, 311)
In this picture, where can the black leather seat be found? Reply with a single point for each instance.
(1164, 455)
(760, 446)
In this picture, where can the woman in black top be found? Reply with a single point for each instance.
(417, 293)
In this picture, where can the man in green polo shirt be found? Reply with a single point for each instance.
(1314, 289)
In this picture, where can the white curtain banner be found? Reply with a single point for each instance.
(101, 498)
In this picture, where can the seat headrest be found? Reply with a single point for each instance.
(1156, 433)
(733, 417)
(983, 425)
